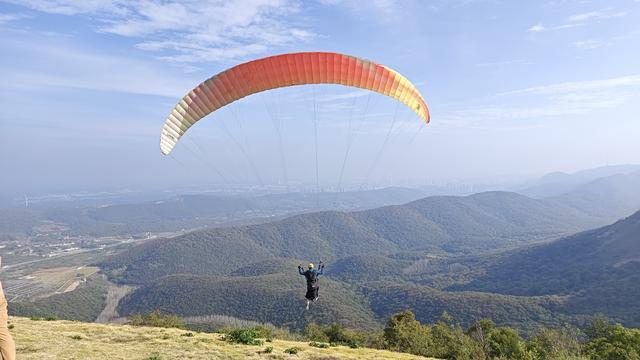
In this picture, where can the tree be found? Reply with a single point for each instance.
(600, 327)
(404, 333)
(615, 343)
(505, 343)
(480, 331)
(551, 344)
(450, 342)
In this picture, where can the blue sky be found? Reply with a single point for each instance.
(515, 88)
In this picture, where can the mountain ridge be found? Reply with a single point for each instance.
(440, 224)
(596, 269)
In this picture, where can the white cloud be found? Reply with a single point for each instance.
(345, 96)
(381, 10)
(574, 86)
(191, 31)
(382, 5)
(577, 20)
(505, 63)
(5, 18)
(541, 28)
(589, 44)
(69, 66)
(537, 28)
(601, 14)
(69, 7)
(579, 98)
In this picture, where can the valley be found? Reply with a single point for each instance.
(467, 256)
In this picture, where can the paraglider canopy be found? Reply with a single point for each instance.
(282, 71)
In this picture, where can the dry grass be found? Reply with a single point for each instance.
(75, 340)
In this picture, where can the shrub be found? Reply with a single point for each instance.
(320, 345)
(335, 334)
(339, 334)
(268, 350)
(76, 337)
(315, 332)
(551, 344)
(156, 319)
(441, 340)
(189, 334)
(292, 350)
(243, 336)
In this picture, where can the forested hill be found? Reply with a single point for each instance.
(599, 270)
(439, 225)
(273, 298)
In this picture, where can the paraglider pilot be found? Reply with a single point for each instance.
(311, 275)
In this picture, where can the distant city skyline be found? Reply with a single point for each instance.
(515, 89)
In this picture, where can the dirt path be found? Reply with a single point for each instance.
(114, 295)
(72, 287)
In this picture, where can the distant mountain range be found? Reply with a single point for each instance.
(568, 280)
(113, 215)
(431, 255)
(558, 183)
(610, 198)
(484, 222)
(519, 260)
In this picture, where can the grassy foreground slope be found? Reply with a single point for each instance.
(75, 340)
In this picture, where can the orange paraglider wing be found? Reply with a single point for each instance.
(281, 71)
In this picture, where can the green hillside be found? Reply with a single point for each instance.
(442, 225)
(360, 268)
(276, 299)
(381, 261)
(212, 252)
(597, 270)
(524, 313)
